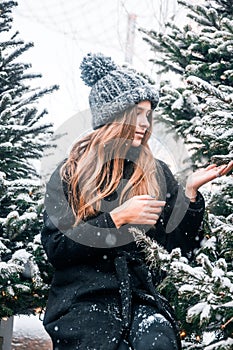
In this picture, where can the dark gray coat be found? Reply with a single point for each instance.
(97, 281)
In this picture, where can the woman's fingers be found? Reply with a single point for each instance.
(227, 168)
(157, 204)
(221, 169)
(203, 176)
(156, 210)
(153, 203)
(151, 219)
(151, 216)
(211, 166)
(142, 209)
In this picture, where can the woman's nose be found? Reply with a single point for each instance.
(143, 122)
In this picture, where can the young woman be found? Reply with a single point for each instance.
(103, 296)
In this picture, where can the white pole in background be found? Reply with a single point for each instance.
(130, 38)
(6, 330)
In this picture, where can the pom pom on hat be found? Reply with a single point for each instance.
(94, 67)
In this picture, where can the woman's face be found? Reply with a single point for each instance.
(142, 122)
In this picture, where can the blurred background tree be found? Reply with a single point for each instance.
(24, 273)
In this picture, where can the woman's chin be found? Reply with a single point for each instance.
(136, 143)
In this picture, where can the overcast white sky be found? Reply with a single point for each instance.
(64, 31)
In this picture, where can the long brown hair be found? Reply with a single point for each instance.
(95, 166)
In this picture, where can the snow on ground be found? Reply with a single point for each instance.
(30, 344)
(29, 334)
(29, 326)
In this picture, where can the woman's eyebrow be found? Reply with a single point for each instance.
(141, 109)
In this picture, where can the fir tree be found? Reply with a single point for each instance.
(23, 271)
(200, 109)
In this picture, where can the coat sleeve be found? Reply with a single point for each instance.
(64, 243)
(182, 218)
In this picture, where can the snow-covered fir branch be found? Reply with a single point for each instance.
(201, 85)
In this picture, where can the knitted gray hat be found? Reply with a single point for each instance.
(113, 88)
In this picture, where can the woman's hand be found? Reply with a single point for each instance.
(202, 176)
(142, 209)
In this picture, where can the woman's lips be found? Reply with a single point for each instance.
(140, 134)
